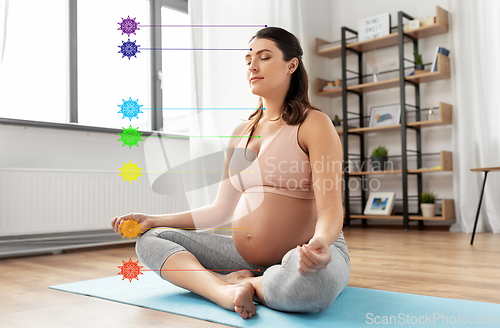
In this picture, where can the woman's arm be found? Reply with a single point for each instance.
(325, 155)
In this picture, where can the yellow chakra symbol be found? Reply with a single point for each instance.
(130, 172)
(130, 229)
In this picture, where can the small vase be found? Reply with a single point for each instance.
(428, 210)
(375, 78)
(419, 67)
(378, 163)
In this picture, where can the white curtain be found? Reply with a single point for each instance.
(4, 10)
(475, 31)
(220, 74)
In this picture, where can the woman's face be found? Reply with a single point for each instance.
(266, 62)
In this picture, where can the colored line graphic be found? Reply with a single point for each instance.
(128, 26)
(131, 270)
(192, 108)
(130, 229)
(129, 49)
(130, 137)
(130, 108)
(194, 25)
(130, 172)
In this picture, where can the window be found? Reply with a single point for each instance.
(104, 77)
(34, 69)
(176, 72)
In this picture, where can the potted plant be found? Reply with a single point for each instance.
(336, 120)
(428, 204)
(379, 158)
(419, 64)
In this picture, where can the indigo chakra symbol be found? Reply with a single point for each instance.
(128, 26)
(130, 137)
(130, 108)
(129, 49)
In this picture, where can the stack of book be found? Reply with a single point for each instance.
(439, 50)
(327, 87)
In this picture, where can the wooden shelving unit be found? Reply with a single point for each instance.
(398, 38)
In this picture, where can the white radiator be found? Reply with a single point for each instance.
(36, 201)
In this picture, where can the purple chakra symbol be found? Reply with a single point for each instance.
(129, 49)
(128, 26)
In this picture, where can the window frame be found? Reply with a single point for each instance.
(156, 64)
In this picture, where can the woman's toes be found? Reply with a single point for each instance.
(243, 300)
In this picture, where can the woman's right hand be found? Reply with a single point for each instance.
(145, 222)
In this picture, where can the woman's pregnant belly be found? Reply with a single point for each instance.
(267, 225)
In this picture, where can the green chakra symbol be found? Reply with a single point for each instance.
(130, 137)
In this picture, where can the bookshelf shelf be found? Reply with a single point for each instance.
(320, 83)
(448, 210)
(440, 26)
(445, 118)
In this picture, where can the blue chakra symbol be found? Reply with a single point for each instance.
(130, 108)
(129, 49)
(128, 26)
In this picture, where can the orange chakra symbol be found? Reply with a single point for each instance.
(130, 270)
(130, 229)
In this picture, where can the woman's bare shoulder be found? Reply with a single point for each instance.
(239, 130)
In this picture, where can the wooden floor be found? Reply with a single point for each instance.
(435, 263)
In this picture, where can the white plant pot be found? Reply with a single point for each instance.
(428, 210)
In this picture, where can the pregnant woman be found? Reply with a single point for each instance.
(287, 250)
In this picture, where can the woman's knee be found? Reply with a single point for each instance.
(286, 289)
(144, 243)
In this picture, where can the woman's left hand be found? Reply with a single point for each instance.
(313, 256)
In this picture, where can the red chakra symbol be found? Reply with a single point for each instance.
(130, 270)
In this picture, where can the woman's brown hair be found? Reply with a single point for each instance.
(296, 99)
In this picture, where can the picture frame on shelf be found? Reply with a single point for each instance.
(374, 27)
(380, 203)
(385, 115)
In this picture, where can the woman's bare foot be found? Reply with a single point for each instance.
(239, 298)
(234, 277)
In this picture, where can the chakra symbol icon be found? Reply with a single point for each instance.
(130, 137)
(130, 270)
(130, 108)
(129, 49)
(130, 172)
(128, 26)
(130, 229)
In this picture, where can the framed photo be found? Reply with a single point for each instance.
(380, 203)
(385, 115)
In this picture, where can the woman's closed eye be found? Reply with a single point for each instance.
(260, 59)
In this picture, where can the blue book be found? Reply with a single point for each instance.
(440, 50)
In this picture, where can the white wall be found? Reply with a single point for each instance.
(36, 147)
(434, 139)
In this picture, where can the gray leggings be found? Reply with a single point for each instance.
(284, 288)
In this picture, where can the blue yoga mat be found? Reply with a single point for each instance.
(354, 307)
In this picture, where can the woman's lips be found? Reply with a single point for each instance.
(256, 79)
